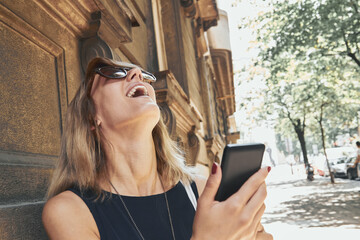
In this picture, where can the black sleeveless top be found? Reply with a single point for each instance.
(149, 213)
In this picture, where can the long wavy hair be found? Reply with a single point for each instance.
(82, 160)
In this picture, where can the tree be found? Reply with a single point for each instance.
(311, 28)
(300, 90)
(310, 55)
(289, 96)
(326, 96)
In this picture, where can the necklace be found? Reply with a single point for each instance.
(131, 218)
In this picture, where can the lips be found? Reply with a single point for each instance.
(137, 91)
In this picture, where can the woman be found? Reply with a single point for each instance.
(119, 175)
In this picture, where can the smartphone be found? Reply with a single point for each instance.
(239, 162)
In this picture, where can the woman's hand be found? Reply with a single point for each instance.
(262, 235)
(236, 218)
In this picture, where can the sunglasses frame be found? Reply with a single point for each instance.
(125, 70)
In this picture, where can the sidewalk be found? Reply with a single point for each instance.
(299, 209)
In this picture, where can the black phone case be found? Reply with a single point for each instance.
(238, 163)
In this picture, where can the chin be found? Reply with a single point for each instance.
(154, 115)
(148, 115)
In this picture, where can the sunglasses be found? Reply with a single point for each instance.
(121, 72)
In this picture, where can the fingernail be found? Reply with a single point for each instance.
(269, 169)
(213, 169)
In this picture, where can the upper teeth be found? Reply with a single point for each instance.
(133, 90)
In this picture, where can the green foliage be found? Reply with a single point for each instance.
(309, 60)
(313, 29)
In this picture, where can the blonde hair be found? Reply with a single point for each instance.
(82, 160)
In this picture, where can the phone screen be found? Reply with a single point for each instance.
(238, 163)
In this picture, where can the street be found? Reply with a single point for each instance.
(299, 209)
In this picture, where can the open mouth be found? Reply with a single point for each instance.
(138, 91)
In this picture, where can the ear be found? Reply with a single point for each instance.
(98, 123)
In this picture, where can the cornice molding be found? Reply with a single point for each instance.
(204, 12)
(112, 20)
(214, 147)
(170, 92)
(233, 137)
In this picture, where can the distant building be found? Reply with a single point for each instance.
(45, 47)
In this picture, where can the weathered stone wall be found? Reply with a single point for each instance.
(191, 64)
(42, 53)
(44, 48)
(33, 84)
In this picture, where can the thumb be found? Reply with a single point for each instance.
(212, 185)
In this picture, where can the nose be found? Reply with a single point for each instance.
(134, 74)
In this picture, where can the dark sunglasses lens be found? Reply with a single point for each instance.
(119, 74)
(113, 72)
(148, 76)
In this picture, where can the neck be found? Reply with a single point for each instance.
(132, 164)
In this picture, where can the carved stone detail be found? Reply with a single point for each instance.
(211, 155)
(186, 3)
(189, 7)
(217, 159)
(194, 146)
(198, 26)
(214, 147)
(180, 115)
(93, 47)
(209, 24)
(170, 92)
(184, 148)
(169, 118)
(204, 15)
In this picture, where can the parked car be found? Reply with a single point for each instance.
(337, 158)
(351, 172)
(338, 167)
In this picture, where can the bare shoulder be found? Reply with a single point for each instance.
(200, 183)
(66, 216)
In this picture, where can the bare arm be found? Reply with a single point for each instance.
(356, 161)
(66, 216)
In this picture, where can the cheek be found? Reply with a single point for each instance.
(108, 104)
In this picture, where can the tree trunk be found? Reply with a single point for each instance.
(323, 144)
(301, 136)
(358, 122)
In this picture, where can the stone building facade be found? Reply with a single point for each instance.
(45, 46)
